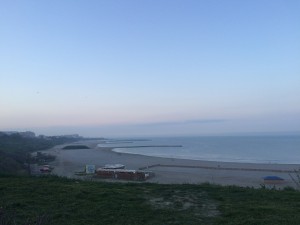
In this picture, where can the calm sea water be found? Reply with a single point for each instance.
(262, 149)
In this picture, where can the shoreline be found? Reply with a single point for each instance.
(200, 160)
(171, 170)
(285, 167)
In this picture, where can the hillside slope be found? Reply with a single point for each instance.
(64, 201)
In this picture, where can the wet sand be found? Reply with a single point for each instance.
(168, 170)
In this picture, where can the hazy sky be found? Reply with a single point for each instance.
(147, 67)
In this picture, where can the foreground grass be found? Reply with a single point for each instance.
(66, 201)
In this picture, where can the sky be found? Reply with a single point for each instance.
(150, 68)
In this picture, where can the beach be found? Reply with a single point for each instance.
(171, 170)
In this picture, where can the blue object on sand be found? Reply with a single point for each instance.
(273, 178)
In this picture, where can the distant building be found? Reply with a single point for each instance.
(44, 137)
(27, 134)
(67, 136)
(71, 136)
(10, 132)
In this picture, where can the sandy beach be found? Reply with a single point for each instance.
(169, 170)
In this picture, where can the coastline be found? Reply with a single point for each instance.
(171, 170)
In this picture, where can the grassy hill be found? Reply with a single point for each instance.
(26, 200)
(63, 201)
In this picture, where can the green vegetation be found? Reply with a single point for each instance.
(76, 147)
(65, 201)
(15, 150)
(53, 200)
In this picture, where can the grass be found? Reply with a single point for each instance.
(66, 201)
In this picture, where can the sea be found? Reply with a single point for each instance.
(242, 149)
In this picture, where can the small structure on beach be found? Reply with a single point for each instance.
(90, 169)
(46, 169)
(114, 166)
(273, 180)
(115, 171)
